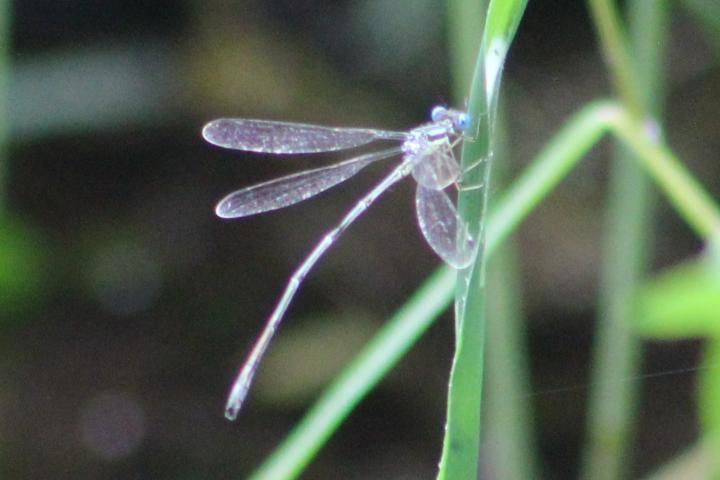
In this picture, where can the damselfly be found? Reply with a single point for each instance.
(427, 154)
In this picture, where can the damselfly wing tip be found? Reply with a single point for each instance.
(221, 209)
(211, 132)
(229, 207)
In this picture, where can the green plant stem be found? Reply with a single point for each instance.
(627, 245)
(644, 136)
(615, 48)
(690, 200)
(509, 437)
(509, 433)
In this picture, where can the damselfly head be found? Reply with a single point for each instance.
(460, 120)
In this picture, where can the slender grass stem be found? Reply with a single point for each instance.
(509, 426)
(615, 48)
(690, 200)
(509, 434)
(644, 135)
(627, 247)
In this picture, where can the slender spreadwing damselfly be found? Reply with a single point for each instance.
(426, 153)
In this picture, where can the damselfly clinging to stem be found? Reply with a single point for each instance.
(427, 154)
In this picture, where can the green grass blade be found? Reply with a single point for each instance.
(508, 433)
(551, 165)
(503, 19)
(462, 429)
(616, 49)
(460, 451)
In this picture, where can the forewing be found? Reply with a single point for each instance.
(439, 220)
(287, 138)
(285, 191)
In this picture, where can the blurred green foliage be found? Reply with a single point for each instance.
(683, 302)
(23, 268)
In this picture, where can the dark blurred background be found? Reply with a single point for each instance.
(126, 305)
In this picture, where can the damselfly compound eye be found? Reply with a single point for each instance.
(463, 122)
(438, 113)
